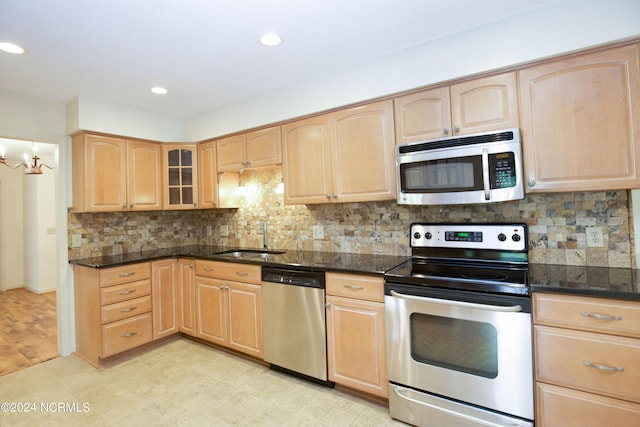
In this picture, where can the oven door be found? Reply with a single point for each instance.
(470, 347)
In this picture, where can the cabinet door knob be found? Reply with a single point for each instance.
(328, 196)
(445, 131)
(532, 183)
(456, 129)
(328, 305)
(335, 196)
(131, 205)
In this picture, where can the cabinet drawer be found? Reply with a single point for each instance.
(121, 310)
(125, 273)
(229, 271)
(562, 407)
(124, 292)
(587, 313)
(355, 286)
(563, 357)
(125, 334)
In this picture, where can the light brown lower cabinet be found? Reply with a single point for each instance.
(356, 344)
(165, 282)
(228, 305)
(587, 361)
(566, 407)
(187, 298)
(112, 309)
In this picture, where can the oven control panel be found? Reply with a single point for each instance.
(505, 237)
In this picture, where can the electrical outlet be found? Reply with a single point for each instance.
(594, 237)
(224, 231)
(318, 232)
(145, 234)
(76, 240)
(209, 230)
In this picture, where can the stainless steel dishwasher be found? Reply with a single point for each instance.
(293, 322)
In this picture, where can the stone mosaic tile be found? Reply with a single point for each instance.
(556, 224)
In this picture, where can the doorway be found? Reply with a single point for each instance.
(28, 257)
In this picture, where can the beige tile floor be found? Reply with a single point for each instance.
(182, 383)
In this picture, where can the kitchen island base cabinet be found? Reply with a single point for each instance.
(356, 343)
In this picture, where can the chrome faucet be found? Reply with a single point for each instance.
(264, 236)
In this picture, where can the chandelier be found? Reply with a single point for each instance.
(30, 164)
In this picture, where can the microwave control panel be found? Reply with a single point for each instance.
(502, 167)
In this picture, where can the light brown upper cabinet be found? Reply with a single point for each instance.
(114, 174)
(345, 156)
(208, 175)
(256, 149)
(479, 105)
(581, 122)
(180, 165)
(216, 190)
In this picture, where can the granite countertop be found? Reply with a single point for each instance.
(620, 283)
(605, 282)
(304, 260)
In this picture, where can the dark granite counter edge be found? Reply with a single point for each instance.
(302, 260)
(601, 282)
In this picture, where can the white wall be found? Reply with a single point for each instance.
(555, 28)
(85, 113)
(40, 260)
(11, 229)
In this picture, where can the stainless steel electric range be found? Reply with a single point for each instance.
(458, 316)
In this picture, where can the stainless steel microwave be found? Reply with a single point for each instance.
(479, 168)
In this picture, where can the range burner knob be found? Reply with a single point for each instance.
(416, 235)
(427, 235)
(516, 237)
(502, 237)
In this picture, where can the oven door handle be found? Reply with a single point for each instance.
(485, 174)
(508, 309)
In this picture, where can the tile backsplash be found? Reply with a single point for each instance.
(556, 224)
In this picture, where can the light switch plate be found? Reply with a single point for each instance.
(76, 240)
(224, 231)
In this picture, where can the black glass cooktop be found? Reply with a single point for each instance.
(481, 276)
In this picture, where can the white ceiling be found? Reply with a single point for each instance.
(206, 51)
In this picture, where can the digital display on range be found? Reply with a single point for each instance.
(463, 236)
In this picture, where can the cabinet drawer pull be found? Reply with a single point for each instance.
(353, 287)
(241, 273)
(127, 274)
(126, 310)
(601, 316)
(127, 292)
(602, 367)
(129, 334)
(208, 269)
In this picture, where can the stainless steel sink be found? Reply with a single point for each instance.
(248, 253)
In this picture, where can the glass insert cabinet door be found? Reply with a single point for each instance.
(180, 179)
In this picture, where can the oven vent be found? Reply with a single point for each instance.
(455, 142)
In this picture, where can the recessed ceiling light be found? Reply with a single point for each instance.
(159, 90)
(11, 48)
(270, 39)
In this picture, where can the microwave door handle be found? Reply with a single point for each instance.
(485, 174)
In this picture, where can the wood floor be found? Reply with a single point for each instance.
(28, 329)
